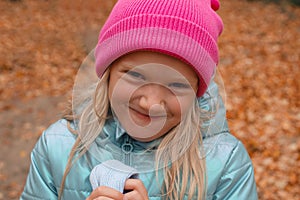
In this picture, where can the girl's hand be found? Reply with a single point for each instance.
(135, 186)
(105, 193)
(137, 190)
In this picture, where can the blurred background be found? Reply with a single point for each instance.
(42, 44)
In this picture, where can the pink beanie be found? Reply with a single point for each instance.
(186, 29)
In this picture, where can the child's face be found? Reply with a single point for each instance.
(150, 92)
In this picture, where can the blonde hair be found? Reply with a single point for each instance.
(185, 170)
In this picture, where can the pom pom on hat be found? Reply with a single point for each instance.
(215, 5)
(186, 29)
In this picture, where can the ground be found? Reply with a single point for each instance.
(44, 42)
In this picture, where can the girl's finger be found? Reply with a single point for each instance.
(104, 191)
(133, 195)
(103, 198)
(138, 186)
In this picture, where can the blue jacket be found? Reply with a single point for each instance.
(229, 168)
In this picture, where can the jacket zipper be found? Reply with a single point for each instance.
(127, 148)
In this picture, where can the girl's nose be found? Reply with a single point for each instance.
(153, 97)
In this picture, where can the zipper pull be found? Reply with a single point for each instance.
(127, 147)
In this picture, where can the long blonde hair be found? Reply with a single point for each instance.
(185, 175)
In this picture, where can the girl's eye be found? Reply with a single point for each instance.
(179, 85)
(136, 75)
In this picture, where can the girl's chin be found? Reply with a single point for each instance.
(141, 139)
(145, 139)
(146, 133)
(143, 131)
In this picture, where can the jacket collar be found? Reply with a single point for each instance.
(117, 133)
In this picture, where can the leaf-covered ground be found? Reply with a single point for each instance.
(42, 44)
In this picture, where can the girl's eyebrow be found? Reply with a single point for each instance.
(126, 64)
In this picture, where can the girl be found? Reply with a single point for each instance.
(154, 126)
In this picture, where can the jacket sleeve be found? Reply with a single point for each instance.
(237, 180)
(39, 184)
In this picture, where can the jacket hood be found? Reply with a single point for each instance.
(212, 102)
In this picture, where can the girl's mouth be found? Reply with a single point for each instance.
(144, 117)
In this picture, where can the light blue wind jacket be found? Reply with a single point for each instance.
(229, 168)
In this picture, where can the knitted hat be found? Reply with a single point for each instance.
(186, 29)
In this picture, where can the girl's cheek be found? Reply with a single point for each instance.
(184, 104)
(122, 92)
